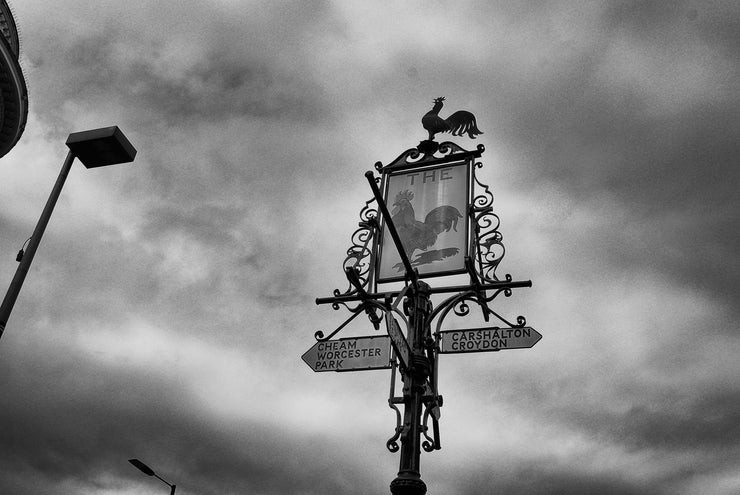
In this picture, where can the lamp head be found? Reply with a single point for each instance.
(142, 467)
(101, 147)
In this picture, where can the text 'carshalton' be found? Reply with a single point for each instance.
(487, 339)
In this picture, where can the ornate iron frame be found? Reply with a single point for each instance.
(486, 248)
(485, 252)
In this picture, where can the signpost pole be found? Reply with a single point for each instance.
(418, 307)
(431, 235)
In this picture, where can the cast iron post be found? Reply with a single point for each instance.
(416, 352)
(418, 307)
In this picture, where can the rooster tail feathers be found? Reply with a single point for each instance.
(462, 122)
(442, 219)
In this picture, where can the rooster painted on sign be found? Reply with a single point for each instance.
(416, 235)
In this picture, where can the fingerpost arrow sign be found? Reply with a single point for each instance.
(350, 354)
(487, 339)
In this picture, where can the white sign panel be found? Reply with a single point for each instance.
(429, 210)
(487, 339)
(350, 354)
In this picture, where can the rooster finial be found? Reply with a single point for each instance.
(459, 123)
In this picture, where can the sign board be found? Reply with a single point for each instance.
(400, 344)
(429, 208)
(350, 354)
(487, 339)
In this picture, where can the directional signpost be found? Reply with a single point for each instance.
(487, 339)
(350, 354)
(431, 217)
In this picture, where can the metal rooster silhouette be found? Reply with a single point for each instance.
(459, 123)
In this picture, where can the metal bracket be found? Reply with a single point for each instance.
(392, 443)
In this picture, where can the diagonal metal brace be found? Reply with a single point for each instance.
(411, 273)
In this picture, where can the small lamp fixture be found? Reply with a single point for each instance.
(150, 472)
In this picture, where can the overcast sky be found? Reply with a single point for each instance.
(171, 299)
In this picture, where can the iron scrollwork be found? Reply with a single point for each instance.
(392, 443)
(359, 255)
(429, 154)
(485, 251)
(458, 304)
(429, 444)
(488, 246)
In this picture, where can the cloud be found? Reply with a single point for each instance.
(168, 307)
(230, 62)
(85, 412)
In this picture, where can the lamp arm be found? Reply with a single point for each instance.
(172, 492)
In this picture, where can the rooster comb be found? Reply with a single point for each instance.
(440, 99)
(408, 195)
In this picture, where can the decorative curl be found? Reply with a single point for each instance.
(414, 155)
(488, 246)
(338, 304)
(429, 444)
(359, 254)
(461, 308)
(427, 151)
(459, 305)
(392, 443)
(367, 306)
(484, 198)
(456, 303)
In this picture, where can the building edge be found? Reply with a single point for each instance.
(13, 89)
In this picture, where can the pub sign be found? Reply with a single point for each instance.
(429, 208)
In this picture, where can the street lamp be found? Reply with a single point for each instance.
(150, 472)
(94, 148)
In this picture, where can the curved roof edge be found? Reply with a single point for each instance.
(13, 90)
(8, 28)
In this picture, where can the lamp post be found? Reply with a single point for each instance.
(94, 148)
(150, 472)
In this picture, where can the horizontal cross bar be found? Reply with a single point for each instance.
(434, 290)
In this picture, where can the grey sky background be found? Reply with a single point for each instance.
(171, 299)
